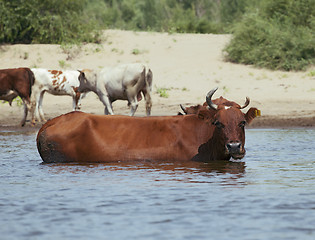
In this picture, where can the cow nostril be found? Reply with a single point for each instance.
(234, 145)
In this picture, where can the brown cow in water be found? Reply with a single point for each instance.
(219, 101)
(215, 132)
(17, 82)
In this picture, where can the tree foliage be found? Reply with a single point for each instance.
(277, 34)
(195, 16)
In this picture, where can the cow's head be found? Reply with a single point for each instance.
(229, 122)
(87, 80)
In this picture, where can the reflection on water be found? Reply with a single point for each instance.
(231, 172)
(268, 195)
(215, 167)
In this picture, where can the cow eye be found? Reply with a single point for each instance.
(218, 124)
(242, 124)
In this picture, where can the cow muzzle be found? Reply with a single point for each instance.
(235, 149)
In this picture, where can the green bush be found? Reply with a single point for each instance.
(278, 35)
(72, 21)
(45, 21)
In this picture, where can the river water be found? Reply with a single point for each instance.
(270, 194)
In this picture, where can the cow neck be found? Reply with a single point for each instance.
(213, 147)
(211, 150)
(93, 82)
(217, 146)
(202, 130)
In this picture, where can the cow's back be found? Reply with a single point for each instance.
(120, 72)
(118, 78)
(56, 82)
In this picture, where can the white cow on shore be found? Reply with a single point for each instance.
(124, 82)
(55, 82)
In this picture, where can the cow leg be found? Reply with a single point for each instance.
(148, 102)
(35, 113)
(33, 107)
(82, 95)
(106, 111)
(133, 106)
(24, 115)
(107, 103)
(40, 107)
(36, 95)
(77, 101)
(34, 101)
(27, 107)
(39, 114)
(133, 100)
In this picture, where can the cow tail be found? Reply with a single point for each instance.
(140, 84)
(143, 79)
(149, 78)
(31, 78)
(148, 87)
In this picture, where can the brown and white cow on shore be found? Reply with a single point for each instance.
(215, 132)
(17, 82)
(123, 82)
(55, 82)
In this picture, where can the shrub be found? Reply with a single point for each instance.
(73, 21)
(279, 35)
(45, 21)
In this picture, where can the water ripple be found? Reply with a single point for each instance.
(268, 195)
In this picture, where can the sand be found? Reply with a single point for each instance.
(186, 66)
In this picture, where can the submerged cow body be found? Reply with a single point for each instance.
(214, 133)
(123, 82)
(55, 82)
(17, 82)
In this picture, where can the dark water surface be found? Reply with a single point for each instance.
(269, 195)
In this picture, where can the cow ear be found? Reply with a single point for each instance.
(251, 114)
(82, 73)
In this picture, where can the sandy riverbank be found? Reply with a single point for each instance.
(187, 65)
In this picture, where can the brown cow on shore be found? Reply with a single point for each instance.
(17, 82)
(214, 133)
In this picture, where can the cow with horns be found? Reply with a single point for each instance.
(214, 132)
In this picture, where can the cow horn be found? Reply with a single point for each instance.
(246, 103)
(209, 101)
(181, 106)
